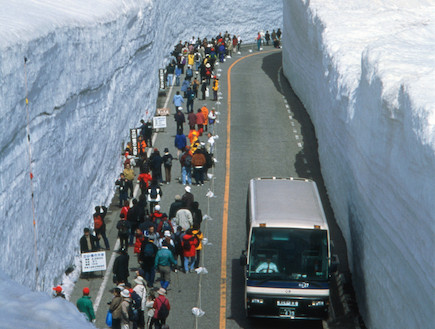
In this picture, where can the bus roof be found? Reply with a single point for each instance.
(286, 202)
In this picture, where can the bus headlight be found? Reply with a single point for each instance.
(318, 303)
(256, 301)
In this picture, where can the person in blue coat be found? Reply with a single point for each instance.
(180, 142)
(177, 100)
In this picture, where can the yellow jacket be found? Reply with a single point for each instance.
(216, 85)
(200, 236)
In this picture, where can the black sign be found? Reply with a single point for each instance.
(162, 78)
(133, 139)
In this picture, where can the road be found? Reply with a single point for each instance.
(269, 134)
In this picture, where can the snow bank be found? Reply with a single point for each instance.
(91, 75)
(22, 308)
(365, 72)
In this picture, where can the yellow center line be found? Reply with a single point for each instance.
(223, 284)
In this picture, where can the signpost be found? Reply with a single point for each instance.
(159, 122)
(94, 261)
(134, 133)
(162, 82)
(163, 111)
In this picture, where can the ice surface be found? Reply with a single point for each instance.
(91, 75)
(365, 70)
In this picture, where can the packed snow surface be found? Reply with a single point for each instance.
(91, 75)
(365, 70)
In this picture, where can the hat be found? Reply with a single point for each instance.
(161, 291)
(86, 291)
(58, 289)
(178, 197)
(125, 293)
(167, 233)
(180, 108)
(139, 280)
(166, 150)
(187, 188)
(157, 207)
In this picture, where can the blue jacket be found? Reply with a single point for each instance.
(180, 141)
(178, 100)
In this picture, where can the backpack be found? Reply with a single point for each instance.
(163, 312)
(168, 161)
(166, 226)
(142, 184)
(187, 246)
(123, 228)
(153, 193)
(148, 251)
(188, 161)
(136, 301)
(98, 222)
(197, 57)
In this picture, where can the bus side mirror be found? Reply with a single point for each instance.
(243, 259)
(334, 263)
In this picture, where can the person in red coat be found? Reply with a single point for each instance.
(159, 317)
(200, 121)
(189, 244)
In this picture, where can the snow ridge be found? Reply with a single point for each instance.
(365, 73)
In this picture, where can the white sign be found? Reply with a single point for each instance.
(94, 261)
(159, 122)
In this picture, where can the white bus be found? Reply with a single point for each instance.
(287, 261)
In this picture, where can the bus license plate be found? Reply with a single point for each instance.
(286, 313)
(291, 303)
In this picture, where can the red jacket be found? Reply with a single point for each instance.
(158, 303)
(145, 177)
(138, 244)
(188, 238)
(124, 211)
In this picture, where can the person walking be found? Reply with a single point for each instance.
(167, 163)
(123, 227)
(129, 176)
(212, 119)
(100, 226)
(188, 198)
(179, 119)
(156, 166)
(147, 260)
(198, 162)
(203, 88)
(177, 100)
(267, 38)
(164, 260)
(190, 95)
(115, 308)
(189, 251)
(84, 305)
(200, 122)
(180, 142)
(154, 194)
(120, 267)
(148, 133)
(186, 166)
(122, 183)
(204, 111)
(125, 307)
(215, 88)
(161, 309)
(258, 41)
(191, 117)
(196, 232)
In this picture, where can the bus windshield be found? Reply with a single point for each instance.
(288, 254)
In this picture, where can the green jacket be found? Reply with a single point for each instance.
(164, 257)
(84, 305)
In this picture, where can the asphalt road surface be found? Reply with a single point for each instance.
(269, 134)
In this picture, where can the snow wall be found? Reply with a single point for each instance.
(365, 71)
(92, 73)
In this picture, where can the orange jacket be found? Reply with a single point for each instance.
(204, 111)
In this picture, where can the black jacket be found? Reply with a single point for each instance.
(84, 244)
(120, 267)
(175, 206)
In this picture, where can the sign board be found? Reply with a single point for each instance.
(94, 261)
(134, 133)
(162, 78)
(163, 111)
(159, 122)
